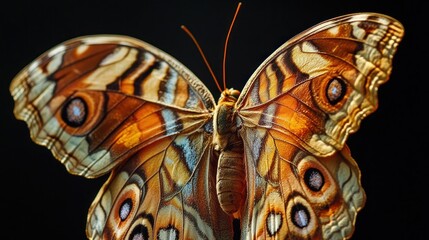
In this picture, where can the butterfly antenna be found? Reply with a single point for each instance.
(202, 55)
(226, 45)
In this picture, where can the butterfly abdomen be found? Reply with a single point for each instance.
(230, 177)
(230, 184)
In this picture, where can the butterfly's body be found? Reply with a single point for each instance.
(182, 166)
(231, 176)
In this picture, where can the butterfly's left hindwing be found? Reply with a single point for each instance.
(161, 192)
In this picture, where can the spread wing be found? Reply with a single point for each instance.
(297, 111)
(116, 104)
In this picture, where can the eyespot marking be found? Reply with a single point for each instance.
(335, 90)
(75, 112)
(274, 223)
(300, 216)
(139, 232)
(168, 233)
(314, 179)
(125, 209)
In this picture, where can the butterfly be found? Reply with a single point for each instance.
(183, 166)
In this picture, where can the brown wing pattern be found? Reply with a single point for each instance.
(322, 83)
(296, 194)
(297, 111)
(96, 100)
(160, 194)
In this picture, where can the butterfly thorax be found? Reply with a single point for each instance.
(230, 179)
(223, 121)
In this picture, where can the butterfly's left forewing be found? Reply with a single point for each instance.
(96, 100)
(114, 103)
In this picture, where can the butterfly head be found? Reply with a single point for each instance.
(229, 96)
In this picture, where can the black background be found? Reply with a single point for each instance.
(40, 199)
